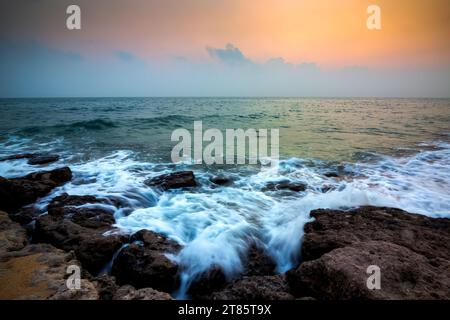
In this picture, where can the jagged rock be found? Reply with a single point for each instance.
(128, 292)
(18, 192)
(17, 157)
(221, 180)
(106, 286)
(80, 229)
(182, 179)
(285, 185)
(12, 236)
(39, 272)
(145, 264)
(208, 282)
(333, 229)
(256, 288)
(342, 274)
(258, 262)
(92, 248)
(25, 215)
(412, 252)
(43, 159)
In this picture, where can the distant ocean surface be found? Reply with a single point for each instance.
(387, 152)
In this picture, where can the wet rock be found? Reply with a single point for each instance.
(12, 236)
(331, 174)
(106, 287)
(208, 282)
(256, 288)
(145, 264)
(412, 251)
(342, 274)
(25, 215)
(128, 292)
(92, 248)
(80, 229)
(285, 185)
(17, 157)
(33, 158)
(182, 179)
(333, 229)
(39, 272)
(18, 192)
(221, 180)
(258, 262)
(65, 200)
(38, 159)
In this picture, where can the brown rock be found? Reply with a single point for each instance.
(182, 179)
(145, 264)
(92, 248)
(258, 262)
(285, 186)
(18, 192)
(106, 286)
(12, 236)
(39, 272)
(333, 229)
(412, 251)
(342, 274)
(208, 282)
(81, 229)
(256, 288)
(128, 292)
(43, 159)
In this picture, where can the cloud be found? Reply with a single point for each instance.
(30, 69)
(125, 56)
(229, 55)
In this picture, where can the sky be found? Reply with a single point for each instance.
(225, 48)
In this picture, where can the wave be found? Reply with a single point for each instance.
(214, 225)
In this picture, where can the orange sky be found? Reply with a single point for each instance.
(331, 33)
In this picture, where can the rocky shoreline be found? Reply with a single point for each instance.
(412, 251)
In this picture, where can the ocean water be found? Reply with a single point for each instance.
(388, 152)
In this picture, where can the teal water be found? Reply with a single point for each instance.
(388, 152)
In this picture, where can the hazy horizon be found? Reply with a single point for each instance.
(192, 48)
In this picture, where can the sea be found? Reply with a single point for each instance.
(349, 152)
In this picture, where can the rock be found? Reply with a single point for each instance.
(17, 157)
(331, 174)
(12, 236)
(333, 229)
(18, 192)
(80, 229)
(66, 200)
(285, 185)
(208, 282)
(413, 252)
(56, 176)
(39, 272)
(258, 262)
(221, 180)
(43, 159)
(182, 179)
(25, 215)
(106, 287)
(256, 288)
(145, 264)
(92, 248)
(128, 292)
(342, 274)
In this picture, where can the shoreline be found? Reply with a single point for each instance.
(337, 246)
